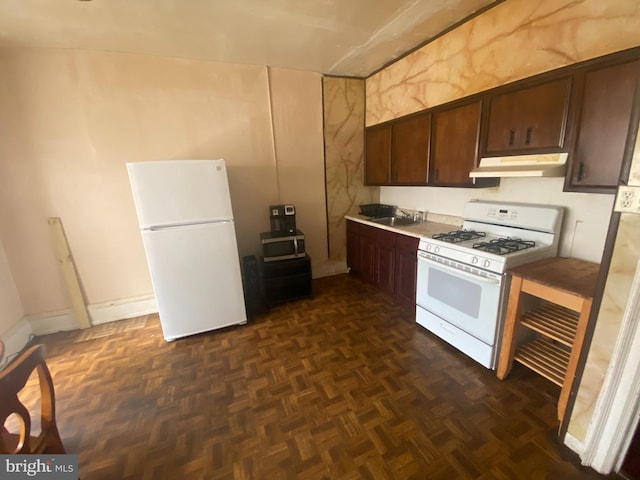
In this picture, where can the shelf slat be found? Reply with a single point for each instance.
(554, 322)
(544, 358)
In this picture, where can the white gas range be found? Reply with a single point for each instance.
(462, 286)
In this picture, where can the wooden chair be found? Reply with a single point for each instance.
(12, 380)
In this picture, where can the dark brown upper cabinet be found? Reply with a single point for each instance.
(397, 152)
(583, 109)
(454, 144)
(528, 119)
(410, 150)
(605, 96)
(378, 155)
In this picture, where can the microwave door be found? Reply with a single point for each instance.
(282, 248)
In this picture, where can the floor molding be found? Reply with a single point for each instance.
(328, 268)
(52, 322)
(574, 444)
(100, 313)
(112, 311)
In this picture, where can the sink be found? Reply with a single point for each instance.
(394, 221)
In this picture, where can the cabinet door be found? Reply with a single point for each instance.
(354, 250)
(385, 258)
(368, 258)
(454, 144)
(410, 150)
(368, 252)
(378, 155)
(405, 270)
(532, 118)
(606, 100)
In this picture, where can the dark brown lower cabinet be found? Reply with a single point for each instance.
(384, 263)
(385, 259)
(371, 254)
(361, 251)
(406, 270)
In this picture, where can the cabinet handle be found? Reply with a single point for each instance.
(527, 140)
(512, 137)
(580, 171)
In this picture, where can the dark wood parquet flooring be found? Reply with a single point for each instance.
(343, 385)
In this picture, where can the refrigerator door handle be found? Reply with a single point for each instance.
(155, 228)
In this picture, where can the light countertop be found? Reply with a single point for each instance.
(425, 229)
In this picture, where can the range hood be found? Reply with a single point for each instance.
(541, 165)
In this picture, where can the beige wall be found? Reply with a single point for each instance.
(69, 120)
(10, 306)
(297, 122)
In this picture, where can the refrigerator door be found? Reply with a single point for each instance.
(180, 192)
(195, 271)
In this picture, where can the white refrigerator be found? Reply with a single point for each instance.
(186, 221)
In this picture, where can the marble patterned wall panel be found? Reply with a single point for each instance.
(514, 40)
(615, 298)
(626, 256)
(344, 157)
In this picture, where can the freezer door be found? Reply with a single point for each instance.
(195, 272)
(179, 192)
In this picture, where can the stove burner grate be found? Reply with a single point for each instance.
(503, 246)
(458, 236)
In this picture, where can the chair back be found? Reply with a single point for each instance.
(13, 380)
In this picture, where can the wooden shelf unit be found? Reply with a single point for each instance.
(553, 321)
(567, 286)
(545, 358)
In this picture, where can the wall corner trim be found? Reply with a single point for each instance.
(574, 444)
(618, 405)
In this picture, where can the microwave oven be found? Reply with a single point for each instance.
(277, 247)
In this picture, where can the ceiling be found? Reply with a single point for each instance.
(339, 37)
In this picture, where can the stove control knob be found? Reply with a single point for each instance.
(436, 249)
(428, 247)
(486, 263)
(474, 260)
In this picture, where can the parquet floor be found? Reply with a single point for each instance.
(341, 386)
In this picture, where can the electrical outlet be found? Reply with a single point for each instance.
(628, 200)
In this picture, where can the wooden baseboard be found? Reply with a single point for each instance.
(99, 313)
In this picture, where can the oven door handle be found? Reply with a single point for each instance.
(462, 273)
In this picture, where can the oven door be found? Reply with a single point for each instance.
(463, 296)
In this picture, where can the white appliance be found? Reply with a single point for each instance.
(538, 165)
(462, 284)
(186, 221)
